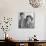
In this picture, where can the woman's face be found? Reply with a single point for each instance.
(29, 19)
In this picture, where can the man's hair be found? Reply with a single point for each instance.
(21, 13)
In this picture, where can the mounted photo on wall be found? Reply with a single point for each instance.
(26, 20)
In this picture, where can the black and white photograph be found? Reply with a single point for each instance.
(26, 20)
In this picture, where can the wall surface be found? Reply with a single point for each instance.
(11, 8)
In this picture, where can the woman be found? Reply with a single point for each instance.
(29, 23)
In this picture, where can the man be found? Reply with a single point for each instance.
(22, 20)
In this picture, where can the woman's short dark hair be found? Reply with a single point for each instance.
(29, 16)
(21, 13)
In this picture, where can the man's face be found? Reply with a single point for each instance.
(22, 16)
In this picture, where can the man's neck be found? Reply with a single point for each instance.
(22, 18)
